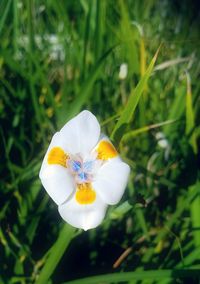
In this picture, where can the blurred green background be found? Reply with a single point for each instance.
(60, 57)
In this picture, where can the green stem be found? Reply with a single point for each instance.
(55, 253)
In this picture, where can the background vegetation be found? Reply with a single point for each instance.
(59, 57)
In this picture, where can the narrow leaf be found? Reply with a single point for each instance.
(86, 88)
(190, 121)
(129, 135)
(134, 98)
(5, 14)
(138, 275)
(55, 254)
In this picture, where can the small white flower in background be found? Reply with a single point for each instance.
(123, 71)
(162, 141)
(82, 172)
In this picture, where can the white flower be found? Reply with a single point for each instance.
(123, 71)
(82, 172)
(162, 141)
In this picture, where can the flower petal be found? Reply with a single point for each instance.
(105, 149)
(58, 183)
(57, 156)
(55, 153)
(83, 216)
(111, 181)
(53, 174)
(58, 141)
(81, 133)
(85, 194)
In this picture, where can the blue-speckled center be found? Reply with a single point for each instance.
(82, 171)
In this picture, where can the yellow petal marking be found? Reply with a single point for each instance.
(106, 150)
(85, 194)
(57, 157)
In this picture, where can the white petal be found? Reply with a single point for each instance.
(102, 138)
(83, 216)
(56, 179)
(56, 141)
(58, 183)
(81, 133)
(111, 181)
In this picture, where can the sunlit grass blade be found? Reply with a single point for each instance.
(189, 107)
(171, 63)
(195, 213)
(129, 135)
(190, 124)
(138, 275)
(143, 56)
(55, 253)
(132, 103)
(143, 99)
(190, 120)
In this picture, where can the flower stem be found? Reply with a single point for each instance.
(56, 252)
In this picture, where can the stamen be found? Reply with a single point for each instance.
(83, 177)
(76, 166)
(87, 166)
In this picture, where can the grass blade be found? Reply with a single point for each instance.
(129, 135)
(100, 27)
(190, 121)
(85, 90)
(195, 213)
(132, 103)
(138, 275)
(55, 254)
(129, 38)
(4, 16)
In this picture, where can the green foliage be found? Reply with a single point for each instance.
(59, 57)
(170, 275)
(133, 100)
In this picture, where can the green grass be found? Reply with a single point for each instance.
(144, 275)
(60, 57)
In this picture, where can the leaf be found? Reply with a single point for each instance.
(135, 132)
(190, 121)
(56, 252)
(83, 97)
(195, 213)
(5, 14)
(138, 275)
(132, 103)
(128, 37)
